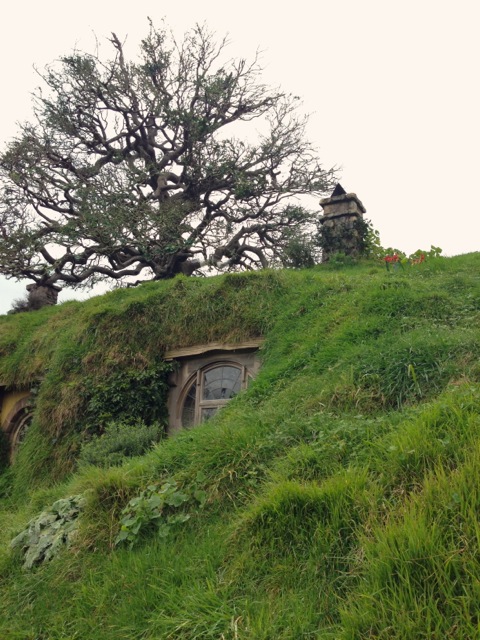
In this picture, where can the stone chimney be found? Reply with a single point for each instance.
(341, 224)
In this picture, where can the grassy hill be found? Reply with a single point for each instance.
(337, 498)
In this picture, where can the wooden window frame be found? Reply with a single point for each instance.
(189, 361)
(198, 379)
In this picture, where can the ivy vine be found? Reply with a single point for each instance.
(128, 396)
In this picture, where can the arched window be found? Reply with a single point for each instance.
(209, 389)
(19, 431)
(206, 376)
(17, 424)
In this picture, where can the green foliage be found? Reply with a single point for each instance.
(339, 494)
(128, 396)
(361, 235)
(372, 247)
(119, 441)
(433, 252)
(152, 509)
(299, 253)
(47, 534)
(339, 259)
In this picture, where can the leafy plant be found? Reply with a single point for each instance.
(155, 507)
(128, 396)
(372, 247)
(119, 441)
(299, 252)
(434, 252)
(340, 259)
(49, 532)
(152, 508)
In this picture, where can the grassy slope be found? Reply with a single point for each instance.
(342, 488)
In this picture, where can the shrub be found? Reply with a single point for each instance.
(126, 396)
(300, 252)
(119, 441)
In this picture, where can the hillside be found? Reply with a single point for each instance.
(336, 498)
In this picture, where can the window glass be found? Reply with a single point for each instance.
(22, 431)
(210, 390)
(22, 424)
(188, 413)
(222, 383)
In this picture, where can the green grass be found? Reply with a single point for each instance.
(342, 487)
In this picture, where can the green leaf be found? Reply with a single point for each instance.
(163, 531)
(155, 501)
(176, 499)
(122, 535)
(200, 496)
(200, 477)
(178, 518)
(167, 486)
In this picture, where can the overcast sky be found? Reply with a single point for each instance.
(391, 86)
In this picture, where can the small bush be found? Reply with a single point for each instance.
(299, 252)
(119, 441)
(19, 305)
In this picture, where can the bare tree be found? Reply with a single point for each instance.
(129, 172)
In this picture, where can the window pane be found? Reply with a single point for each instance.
(222, 383)
(188, 411)
(20, 431)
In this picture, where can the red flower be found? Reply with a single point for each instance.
(394, 258)
(420, 259)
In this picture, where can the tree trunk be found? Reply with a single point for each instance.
(41, 296)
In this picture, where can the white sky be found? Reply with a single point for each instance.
(392, 87)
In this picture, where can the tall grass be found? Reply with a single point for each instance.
(342, 489)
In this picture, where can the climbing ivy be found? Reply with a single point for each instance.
(359, 234)
(128, 396)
